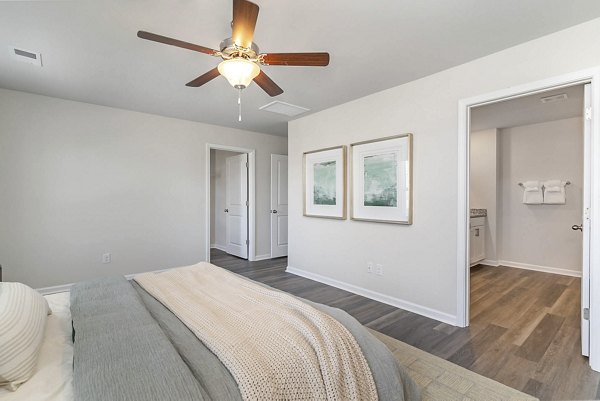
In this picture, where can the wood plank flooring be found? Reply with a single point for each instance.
(524, 325)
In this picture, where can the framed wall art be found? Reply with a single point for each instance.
(381, 176)
(325, 183)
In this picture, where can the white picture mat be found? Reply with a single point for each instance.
(400, 147)
(310, 159)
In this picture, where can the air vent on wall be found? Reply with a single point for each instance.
(26, 56)
(284, 108)
(554, 98)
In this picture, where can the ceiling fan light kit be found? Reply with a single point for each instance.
(241, 57)
(239, 71)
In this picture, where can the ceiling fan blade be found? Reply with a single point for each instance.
(267, 84)
(204, 78)
(245, 14)
(306, 59)
(174, 42)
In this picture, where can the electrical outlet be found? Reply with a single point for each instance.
(369, 267)
(379, 269)
(106, 258)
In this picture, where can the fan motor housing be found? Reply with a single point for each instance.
(229, 50)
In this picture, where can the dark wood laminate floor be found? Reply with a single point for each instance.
(524, 325)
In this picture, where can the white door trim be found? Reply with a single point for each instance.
(585, 222)
(462, 266)
(251, 197)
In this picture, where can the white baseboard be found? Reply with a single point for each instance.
(262, 257)
(219, 247)
(55, 289)
(538, 268)
(489, 262)
(130, 276)
(386, 299)
(67, 287)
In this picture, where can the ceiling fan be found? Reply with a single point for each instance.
(241, 57)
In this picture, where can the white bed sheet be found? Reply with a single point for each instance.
(53, 378)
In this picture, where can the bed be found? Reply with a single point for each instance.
(130, 344)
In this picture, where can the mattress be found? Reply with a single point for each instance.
(52, 380)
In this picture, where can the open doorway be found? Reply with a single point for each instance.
(229, 202)
(230, 213)
(527, 205)
(529, 197)
(591, 142)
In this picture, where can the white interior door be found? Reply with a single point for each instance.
(279, 205)
(236, 201)
(585, 226)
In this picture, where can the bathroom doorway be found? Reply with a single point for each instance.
(526, 196)
(591, 146)
(528, 192)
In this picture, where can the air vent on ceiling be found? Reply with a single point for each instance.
(26, 56)
(554, 98)
(284, 108)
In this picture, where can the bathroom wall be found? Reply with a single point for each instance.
(484, 174)
(541, 235)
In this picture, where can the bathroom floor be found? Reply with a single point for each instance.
(528, 333)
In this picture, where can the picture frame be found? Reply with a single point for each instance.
(381, 180)
(324, 183)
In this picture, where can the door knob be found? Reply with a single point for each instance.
(226, 210)
(274, 211)
(575, 227)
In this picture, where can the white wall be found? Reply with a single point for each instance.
(541, 234)
(419, 260)
(78, 180)
(483, 186)
(218, 205)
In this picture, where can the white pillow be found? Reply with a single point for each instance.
(23, 314)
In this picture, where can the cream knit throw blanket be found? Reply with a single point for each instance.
(275, 346)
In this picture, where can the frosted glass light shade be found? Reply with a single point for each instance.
(239, 71)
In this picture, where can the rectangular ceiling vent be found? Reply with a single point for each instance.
(26, 56)
(284, 108)
(554, 98)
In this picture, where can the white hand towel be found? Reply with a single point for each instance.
(554, 192)
(533, 194)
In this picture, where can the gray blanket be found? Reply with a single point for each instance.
(167, 361)
(120, 351)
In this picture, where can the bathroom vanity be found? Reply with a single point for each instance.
(477, 235)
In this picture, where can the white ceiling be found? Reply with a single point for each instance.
(91, 52)
(528, 110)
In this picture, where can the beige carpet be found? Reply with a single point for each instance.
(443, 380)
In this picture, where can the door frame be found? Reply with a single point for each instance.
(591, 76)
(251, 197)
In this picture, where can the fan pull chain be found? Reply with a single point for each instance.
(240, 105)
